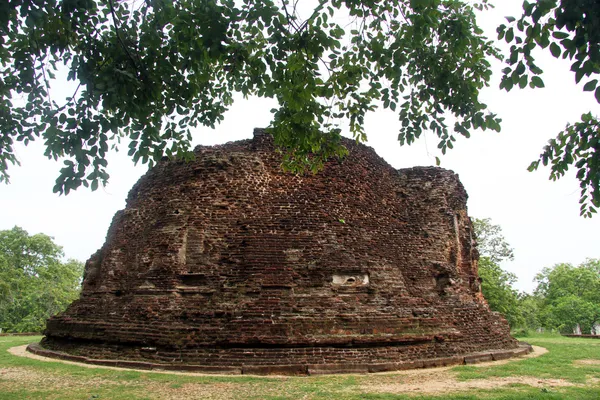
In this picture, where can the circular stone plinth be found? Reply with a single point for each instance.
(316, 369)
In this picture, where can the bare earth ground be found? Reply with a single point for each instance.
(587, 362)
(26, 376)
(423, 381)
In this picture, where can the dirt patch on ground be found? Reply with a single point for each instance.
(446, 382)
(587, 362)
(213, 391)
(12, 377)
(196, 391)
(443, 380)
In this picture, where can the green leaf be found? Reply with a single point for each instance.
(523, 81)
(536, 81)
(510, 35)
(590, 86)
(555, 50)
(597, 94)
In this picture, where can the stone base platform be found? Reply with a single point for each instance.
(303, 369)
(584, 336)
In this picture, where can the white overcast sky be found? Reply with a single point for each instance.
(540, 218)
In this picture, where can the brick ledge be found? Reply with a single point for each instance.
(301, 369)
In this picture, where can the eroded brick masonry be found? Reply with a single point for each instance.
(227, 262)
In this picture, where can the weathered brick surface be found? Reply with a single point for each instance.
(227, 261)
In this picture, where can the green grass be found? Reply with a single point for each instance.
(25, 378)
(557, 363)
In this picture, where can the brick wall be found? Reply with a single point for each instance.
(229, 261)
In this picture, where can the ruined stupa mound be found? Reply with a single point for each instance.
(227, 263)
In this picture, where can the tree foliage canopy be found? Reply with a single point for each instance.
(496, 284)
(491, 242)
(34, 281)
(570, 295)
(151, 70)
(569, 29)
(564, 280)
(564, 297)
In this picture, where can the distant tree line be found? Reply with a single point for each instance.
(35, 282)
(566, 297)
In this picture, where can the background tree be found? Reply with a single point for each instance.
(496, 284)
(569, 29)
(497, 289)
(530, 306)
(491, 242)
(565, 295)
(570, 295)
(34, 282)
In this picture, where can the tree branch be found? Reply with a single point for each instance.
(289, 17)
(115, 21)
(314, 14)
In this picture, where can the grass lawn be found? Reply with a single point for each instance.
(570, 370)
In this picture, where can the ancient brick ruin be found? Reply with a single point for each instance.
(229, 264)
